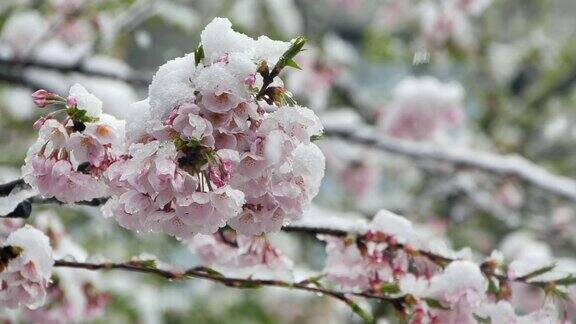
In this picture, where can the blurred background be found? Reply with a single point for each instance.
(488, 76)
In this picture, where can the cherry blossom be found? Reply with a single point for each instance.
(461, 288)
(72, 296)
(365, 264)
(247, 256)
(423, 109)
(69, 156)
(26, 267)
(226, 160)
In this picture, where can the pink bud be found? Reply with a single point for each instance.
(250, 80)
(43, 97)
(170, 119)
(71, 101)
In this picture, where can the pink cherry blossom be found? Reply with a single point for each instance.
(241, 166)
(66, 163)
(422, 109)
(250, 256)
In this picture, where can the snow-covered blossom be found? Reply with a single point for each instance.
(70, 155)
(86, 101)
(204, 151)
(367, 262)
(7, 226)
(246, 256)
(503, 312)
(25, 268)
(21, 31)
(390, 256)
(450, 20)
(73, 296)
(461, 288)
(422, 109)
(151, 192)
(525, 254)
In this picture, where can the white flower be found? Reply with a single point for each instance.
(298, 122)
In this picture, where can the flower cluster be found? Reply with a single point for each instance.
(422, 109)
(25, 268)
(391, 257)
(374, 258)
(68, 158)
(249, 256)
(73, 296)
(449, 20)
(215, 143)
(151, 192)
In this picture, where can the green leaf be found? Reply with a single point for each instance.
(367, 318)
(557, 293)
(287, 59)
(566, 281)
(434, 303)
(482, 320)
(147, 264)
(538, 272)
(318, 137)
(315, 280)
(193, 143)
(293, 64)
(212, 272)
(79, 115)
(199, 53)
(389, 288)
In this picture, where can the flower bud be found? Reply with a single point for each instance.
(42, 98)
(71, 101)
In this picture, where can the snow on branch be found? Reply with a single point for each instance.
(513, 165)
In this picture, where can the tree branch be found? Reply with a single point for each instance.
(512, 165)
(135, 78)
(7, 188)
(241, 283)
(18, 79)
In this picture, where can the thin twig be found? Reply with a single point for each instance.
(241, 283)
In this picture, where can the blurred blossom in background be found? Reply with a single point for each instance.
(465, 76)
